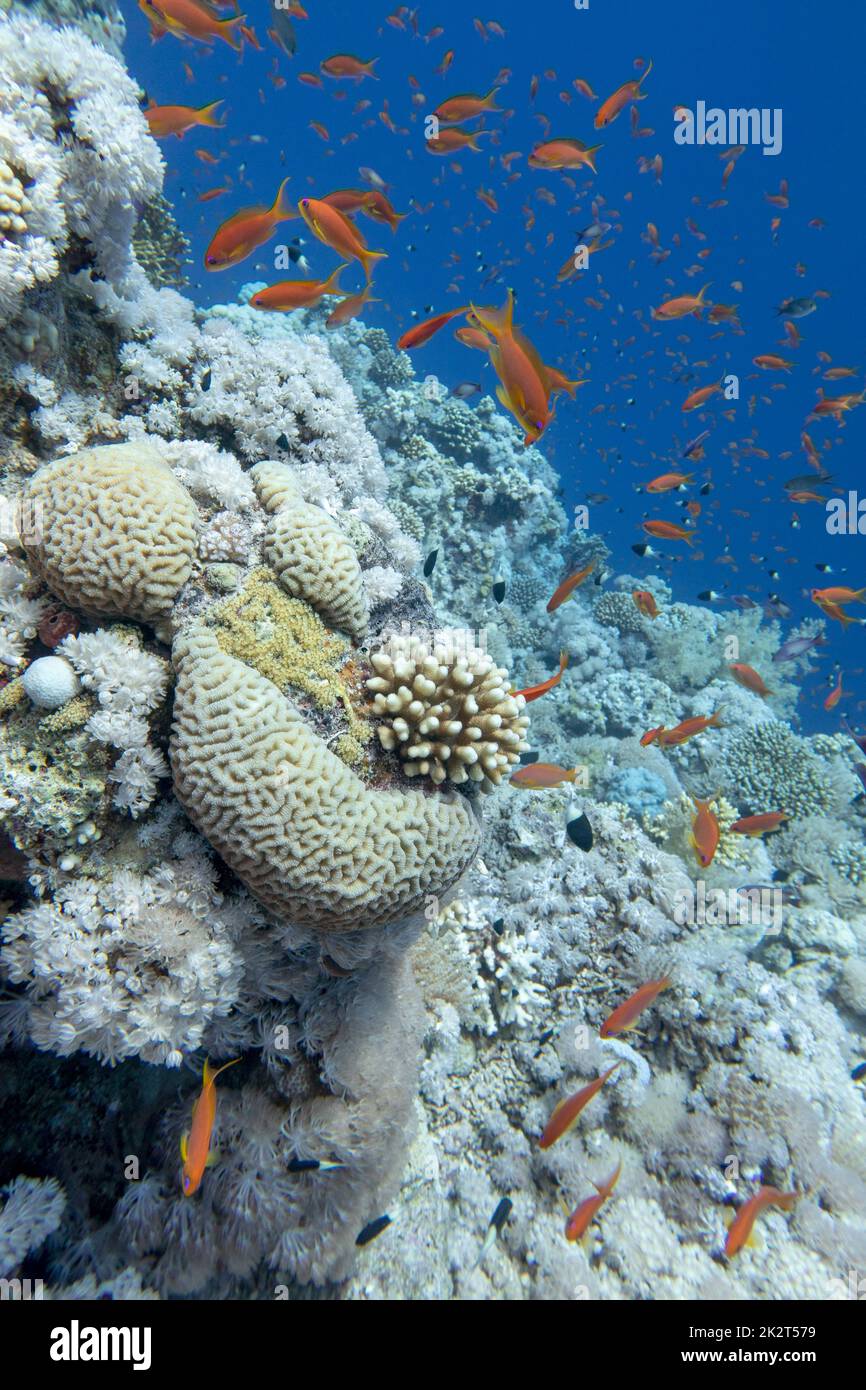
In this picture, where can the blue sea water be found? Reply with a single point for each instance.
(626, 424)
(543, 926)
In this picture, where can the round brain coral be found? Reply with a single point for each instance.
(449, 710)
(114, 531)
(305, 834)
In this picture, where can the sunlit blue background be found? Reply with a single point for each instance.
(802, 58)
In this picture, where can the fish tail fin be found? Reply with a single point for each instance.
(702, 291)
(606, 1188)
(210, 1075)
(487, 319)
(591, 151)
(229, 29)
(488, 101)
(368, 68)
(365, 257)
(646, 72)
(786, 1200)
(860, 595)
(332, 284)
(690, 538)
(282, 210)
(715, 721)
(207, 114)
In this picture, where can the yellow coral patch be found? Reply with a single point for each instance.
(286, 641)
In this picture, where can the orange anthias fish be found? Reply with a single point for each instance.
(666, 482)
(452, 138)
(568, 586)
(673, 738)
(348, 200)
(346, 65)
(525, 385)
(626, 1015)
(835, 695)
(683, 305)
(759, 825)
(704, 836)
(336, 231)
(769, 362)
(668, 531)
(835, 611)
(537, 776)
(748, 677)
(473, 338)
(560, 382)
(567, 1111)
(377, 206)
(532, 692)
(697, 398)
(840, 593)
(563, 154)
(195, 1144)
(578, 1224)
(176, 120)
(185, 17)
(297, 294)
(238, 237)
(629, 91)
(740, 1231)
(645, 603)
(421, 333)
(349, 308)
(464, 107)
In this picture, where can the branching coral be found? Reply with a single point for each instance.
(78, 150)
(450, 714)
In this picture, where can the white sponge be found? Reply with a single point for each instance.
(50, 681)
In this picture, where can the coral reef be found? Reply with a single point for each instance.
(241, 743)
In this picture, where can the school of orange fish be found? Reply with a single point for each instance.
(527, 386)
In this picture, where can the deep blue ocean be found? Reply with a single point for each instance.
(626, 425)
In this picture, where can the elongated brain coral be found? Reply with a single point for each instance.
(302, 831)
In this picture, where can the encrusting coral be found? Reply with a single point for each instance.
(449, 711)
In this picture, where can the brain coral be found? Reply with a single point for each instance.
(115, 533)
(308, 838)
(449, 710)
(312, 558)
